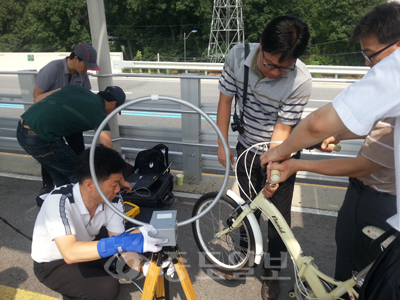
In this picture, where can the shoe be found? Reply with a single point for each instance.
(270, 288)
(39, 201)
(46, 188)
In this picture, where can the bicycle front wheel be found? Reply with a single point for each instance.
(231, 252)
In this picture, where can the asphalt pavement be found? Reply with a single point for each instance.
(315, 232)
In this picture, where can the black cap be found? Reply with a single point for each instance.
(114, 93)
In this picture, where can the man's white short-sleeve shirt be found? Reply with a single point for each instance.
(375, 97)
(64, 213)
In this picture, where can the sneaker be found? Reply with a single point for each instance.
(270, 288)
(47, 188)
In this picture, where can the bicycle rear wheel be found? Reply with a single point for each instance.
(231, 252)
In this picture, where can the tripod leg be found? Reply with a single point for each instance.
(162, 290)
(152, 278)
(184, 278)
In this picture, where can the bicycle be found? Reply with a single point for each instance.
(230, 238)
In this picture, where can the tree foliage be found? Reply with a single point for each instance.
(152, 27)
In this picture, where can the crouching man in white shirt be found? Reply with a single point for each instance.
(67, 258)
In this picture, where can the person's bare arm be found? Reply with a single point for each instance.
(281, 132)
(105, 138)
(37, 91)
(223, 121)
(73, 251)
(359, 166)
(349, 136)
(313, 129)
(42, 96)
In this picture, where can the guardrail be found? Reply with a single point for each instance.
(206, 67)
(190, 140)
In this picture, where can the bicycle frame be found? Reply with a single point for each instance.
(307, 270)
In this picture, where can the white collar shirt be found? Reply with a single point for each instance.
(375, 97)
(60, 216)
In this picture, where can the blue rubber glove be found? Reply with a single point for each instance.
(134, 242)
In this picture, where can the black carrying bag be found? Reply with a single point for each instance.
(159, 194)
(152, 161)
(152, 183)
(383, 280)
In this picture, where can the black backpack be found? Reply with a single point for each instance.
(382, 281)
(152, 160)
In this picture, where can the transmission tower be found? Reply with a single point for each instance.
(227, 28)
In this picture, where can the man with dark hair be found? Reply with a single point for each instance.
(60, 113)
(278, 88)
(354, 112)
(67, 258)
(71, 70)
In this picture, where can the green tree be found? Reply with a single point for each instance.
(10, 25)
(331, 25)
(158, 27)
(153, 27)
(55, 25)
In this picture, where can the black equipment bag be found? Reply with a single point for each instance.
(383, 280)
(158, 194)
(152, 160)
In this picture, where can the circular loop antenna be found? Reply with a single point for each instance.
(156, 98)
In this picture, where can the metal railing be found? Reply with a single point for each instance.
(190, 139)
(206, 67)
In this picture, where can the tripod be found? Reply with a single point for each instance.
(155, 283)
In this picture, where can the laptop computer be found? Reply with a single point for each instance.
(143, 180)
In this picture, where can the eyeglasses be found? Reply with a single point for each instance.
(273, 67)
(369, 57)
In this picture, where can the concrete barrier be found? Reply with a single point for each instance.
(15, 61)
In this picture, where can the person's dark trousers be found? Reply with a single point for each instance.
(362, 206)
(56, 156)
(87, 280)
(76, 142)
(383, 280)
(282, 199)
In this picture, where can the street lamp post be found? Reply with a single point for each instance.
(184, 42)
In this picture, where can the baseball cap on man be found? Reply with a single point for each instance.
(113, 93)
(88, 54)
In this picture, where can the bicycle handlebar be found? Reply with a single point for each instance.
(276, 175)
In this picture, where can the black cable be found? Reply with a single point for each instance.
(15, 229)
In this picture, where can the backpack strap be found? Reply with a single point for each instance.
(383, 237)
(246, 81)
(245, 84)
(165, 148)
